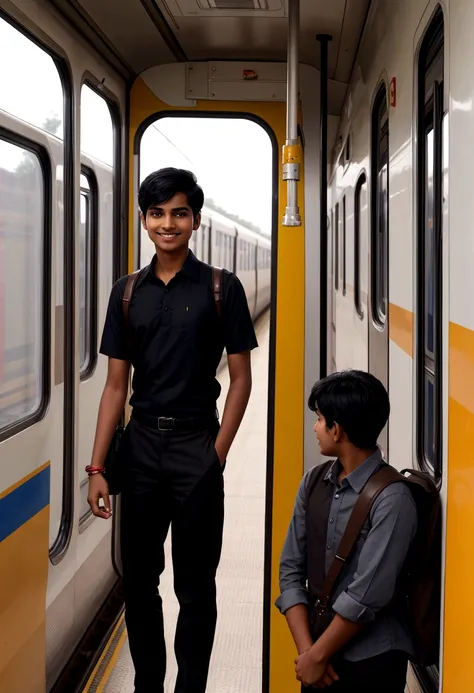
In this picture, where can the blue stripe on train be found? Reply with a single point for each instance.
(23, 503)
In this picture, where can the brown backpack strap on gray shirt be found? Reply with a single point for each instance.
(385, 476)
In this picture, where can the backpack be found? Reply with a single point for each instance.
(132, 278)
(419, 584)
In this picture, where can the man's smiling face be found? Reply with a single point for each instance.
(170, 224)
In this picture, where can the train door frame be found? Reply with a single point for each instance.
(433, 107)
(378, 324)
(294, 350)
(134, 183)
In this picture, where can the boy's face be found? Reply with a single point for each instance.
(170, 224)
(328, 438)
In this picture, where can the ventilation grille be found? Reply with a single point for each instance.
(233, 4)
(236, 4)
(224, 8)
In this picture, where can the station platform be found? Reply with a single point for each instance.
(237, 655)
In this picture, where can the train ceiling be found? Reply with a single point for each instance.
(143, 33)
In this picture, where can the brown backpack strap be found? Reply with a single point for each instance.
(127, 294)
(374, 486)
(216, 288)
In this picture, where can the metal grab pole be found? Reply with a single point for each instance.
(292, 149)
(323, 203)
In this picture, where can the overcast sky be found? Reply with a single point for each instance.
(232, 158)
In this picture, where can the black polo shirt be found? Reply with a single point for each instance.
(177, 338)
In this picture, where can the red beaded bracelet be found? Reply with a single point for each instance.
(94, 470)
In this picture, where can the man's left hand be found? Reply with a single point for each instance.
(314, 672)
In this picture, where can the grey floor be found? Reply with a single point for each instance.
(237, 655)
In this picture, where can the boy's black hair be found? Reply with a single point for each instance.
(355, 400)
(160, 186)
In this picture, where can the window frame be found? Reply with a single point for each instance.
(120, 175)
(377, 280)
(431, 110)
(44, 160)
(119, 230)
(344, 249)
(361, 181)
(336, 246)
(91, 363)
(58, 549)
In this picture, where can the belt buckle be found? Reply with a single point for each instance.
(169, 419)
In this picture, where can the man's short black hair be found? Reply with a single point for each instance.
(355, 400)
(162, 185)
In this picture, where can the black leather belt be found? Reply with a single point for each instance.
(168, 423)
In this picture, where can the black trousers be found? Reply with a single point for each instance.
(171, 478)
(385, 673)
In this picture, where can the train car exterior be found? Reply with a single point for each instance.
(398, 270)
(54, 574)
(60, 251)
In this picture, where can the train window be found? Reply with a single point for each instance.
(360, 198)
(97, 142)
(348, 149)
(335, 236)
(429, 242)
(88, 271)
(97, 129)
(344, 245)
(379, 209)
(25, 205)
(28, 64)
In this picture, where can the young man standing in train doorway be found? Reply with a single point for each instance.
(173, 450)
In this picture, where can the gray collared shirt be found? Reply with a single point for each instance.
(367, 583)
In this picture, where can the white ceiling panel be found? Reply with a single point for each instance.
(153, 32)
(128, 26)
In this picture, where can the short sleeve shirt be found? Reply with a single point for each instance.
(176, 339)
